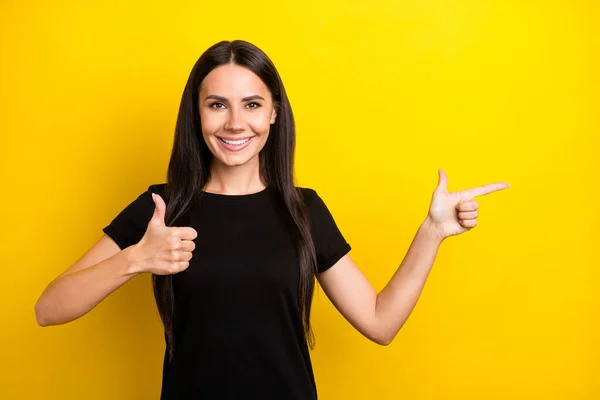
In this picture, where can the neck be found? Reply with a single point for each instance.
(236, 180)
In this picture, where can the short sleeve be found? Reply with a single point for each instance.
(330, 244)
(129, 226)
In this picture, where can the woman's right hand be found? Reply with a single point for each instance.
(164, 250)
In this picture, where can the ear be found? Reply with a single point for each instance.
(273, 115)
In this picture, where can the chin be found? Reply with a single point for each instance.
(234, 161)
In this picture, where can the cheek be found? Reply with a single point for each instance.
(260, 124)
(210, 123)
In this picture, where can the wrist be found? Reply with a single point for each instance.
(429, 228)
(133, 261)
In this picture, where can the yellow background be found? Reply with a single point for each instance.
(384, 94)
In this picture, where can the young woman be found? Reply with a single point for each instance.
(236, 315)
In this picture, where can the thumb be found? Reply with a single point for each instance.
(442, 181)
(159, 209)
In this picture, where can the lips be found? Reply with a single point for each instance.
(233, 139)
(236, 147)
(234, 142)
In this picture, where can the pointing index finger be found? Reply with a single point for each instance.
(484, 189)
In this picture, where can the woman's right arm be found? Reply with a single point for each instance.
(99, 272)
(105, 267)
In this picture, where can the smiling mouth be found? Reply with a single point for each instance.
(235, 142)
(236, 145)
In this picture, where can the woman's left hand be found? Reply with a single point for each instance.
(455, 213)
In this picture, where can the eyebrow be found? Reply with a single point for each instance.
(224, 99)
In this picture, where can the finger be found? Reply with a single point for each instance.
(467, 215)
(442, 181)
(183, 265)
(187, 245)
(178, 255)
(469, 223)
(470, 205)
(185, 255)
(178, 266)
(158, 216)
(185, 232)
(482, 190)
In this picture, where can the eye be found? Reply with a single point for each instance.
(253, 104)
(216, 105)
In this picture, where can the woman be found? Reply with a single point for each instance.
(237, 314)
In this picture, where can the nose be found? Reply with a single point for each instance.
(235, 122)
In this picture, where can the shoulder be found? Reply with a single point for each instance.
(308, 195)
(144, 200)
(158, 188)
(312, 201)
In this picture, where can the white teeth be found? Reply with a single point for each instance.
(235, 142)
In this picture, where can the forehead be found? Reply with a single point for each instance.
(231, 80)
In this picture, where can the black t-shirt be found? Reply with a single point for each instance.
(238, 330)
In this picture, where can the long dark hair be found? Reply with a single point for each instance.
(189, 171)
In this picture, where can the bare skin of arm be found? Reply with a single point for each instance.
(99, 272)
(105, 267)
(379, 316)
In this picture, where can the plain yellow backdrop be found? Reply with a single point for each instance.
(384, 94)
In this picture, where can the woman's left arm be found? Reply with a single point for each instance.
(379, 316)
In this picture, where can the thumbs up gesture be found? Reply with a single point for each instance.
(165, 250)
(453, 213)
